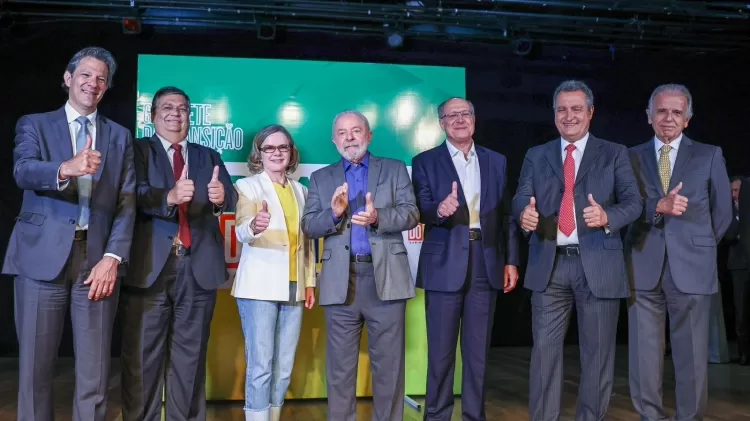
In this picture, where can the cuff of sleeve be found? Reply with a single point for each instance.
(114, 256)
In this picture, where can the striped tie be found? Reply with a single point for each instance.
(665, 167)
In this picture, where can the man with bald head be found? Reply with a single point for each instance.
(469, 253)
(360, 206)
(671, 255)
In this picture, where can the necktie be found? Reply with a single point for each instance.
(182, 209)
(83, 182)
(665, 167)
(566, 221)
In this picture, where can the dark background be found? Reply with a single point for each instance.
(512, 96)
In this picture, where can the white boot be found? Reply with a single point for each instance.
(256, 415)
(275, 413)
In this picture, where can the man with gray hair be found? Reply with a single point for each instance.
(360, 206)
(671, 255)
(73, 233)
(574, 196)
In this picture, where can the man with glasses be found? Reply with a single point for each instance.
(170, 288)
(469, 252)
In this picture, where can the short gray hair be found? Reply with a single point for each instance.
(444, 103)
(672, 88)
(574, 86)
(98, 53)
(349, 112)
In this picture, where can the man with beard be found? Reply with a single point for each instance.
(73, 233)
(170, 289)
(360, 206)
(671, 253)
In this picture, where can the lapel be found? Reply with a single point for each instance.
(444, 156)
(648, 157)
(554, 156)
(683, 157)
(63, 145)
(484, 174)
(194, 161)
(373, 175)
(161, 161)
(299, 195)
(102, 146)
(590, 156)
(269, 192)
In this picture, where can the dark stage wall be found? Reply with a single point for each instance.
(512, 96)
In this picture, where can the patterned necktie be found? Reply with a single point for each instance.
(83, 182)
(566, 221)
(182, 209)
(665, 167)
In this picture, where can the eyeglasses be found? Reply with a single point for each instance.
(272, 149)
(167, 108)
(453, 116)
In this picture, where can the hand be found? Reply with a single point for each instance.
(85, 162)
(673, 203)
(594, 215)
(262, 219)
(102, 278)
(369, 216)
(183, 190)
(340, 200)
(216, 189)
(449, 205)
(529, 216)
(309, 298)
(510, 278)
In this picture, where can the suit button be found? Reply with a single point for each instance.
(465, 248)
(72, 221)
(562, 190)
(346, 247)
(661, 235)
(348, 225)
(170, 238)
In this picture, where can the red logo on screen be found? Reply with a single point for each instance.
(416, 234)
(232, 247)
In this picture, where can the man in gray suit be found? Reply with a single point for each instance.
(671, 256)
(574, 196)
(170, 291)
(72, 236)
(360, 206)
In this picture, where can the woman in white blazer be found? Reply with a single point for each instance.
(276, 273)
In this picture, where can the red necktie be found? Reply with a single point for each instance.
(566, 221)
(182, 209)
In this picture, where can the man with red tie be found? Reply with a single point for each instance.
(574, 195)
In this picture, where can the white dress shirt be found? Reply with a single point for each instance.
(471, 182)
(675, 144)
(580, 145)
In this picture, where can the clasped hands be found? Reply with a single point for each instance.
(340, 201)
(594, 215)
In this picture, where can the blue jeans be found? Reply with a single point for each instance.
(271, 330)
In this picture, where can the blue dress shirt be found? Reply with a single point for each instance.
(356, 178)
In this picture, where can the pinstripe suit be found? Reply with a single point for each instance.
(594, 280)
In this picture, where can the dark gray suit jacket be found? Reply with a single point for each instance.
(42, 238)
(690, 239)
(604, 172)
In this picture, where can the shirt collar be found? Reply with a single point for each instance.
(365, 162)
(675, 144)
(454, 150)
(71, 114)
(166, 144)
(579, 144)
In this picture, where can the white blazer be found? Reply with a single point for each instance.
(263, 271)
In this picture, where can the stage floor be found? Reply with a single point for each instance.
(507, 394)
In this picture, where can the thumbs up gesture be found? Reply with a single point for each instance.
(673, 203)
(594, 215)
(529, 216)
(86, 161)
(261, 220)
(369, 216)
(340, 200)
(449, 205)
(216, 189)
(183, 189)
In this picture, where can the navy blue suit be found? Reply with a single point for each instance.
(461, 277)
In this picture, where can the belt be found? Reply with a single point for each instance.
(571, 250)
(81, 235)
(475, 234)
(180, 250)
(361, 258)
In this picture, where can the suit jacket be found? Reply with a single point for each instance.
(690, 239)
(743, 228)
(263, 271)
(736, 259)
(156, 223)
(604, 172)
(393, 197)
(46, 225)
(444, 257)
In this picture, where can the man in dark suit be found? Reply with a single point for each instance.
(671, 256)
(574, 196)
(73, 233)
(469, 252)
(170, 291)
(737, 266)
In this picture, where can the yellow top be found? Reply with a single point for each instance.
(291, 216)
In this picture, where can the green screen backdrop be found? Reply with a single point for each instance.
(233, 98)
